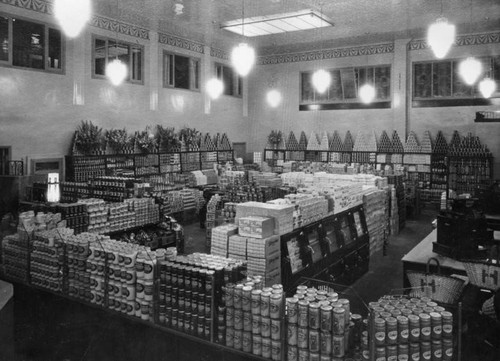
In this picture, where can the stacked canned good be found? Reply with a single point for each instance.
(191, 291)
(145, 269)
(47, 258)
(410, 329)
(254, 318)
(320, 326)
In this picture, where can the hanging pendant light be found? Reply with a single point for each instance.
(487, 87)
(214, 88)
(321, 80)
(116, 71)
(470, 69)
(440, 37)
(72, 15)
(273, 98)
(367, 93)
(243, 56)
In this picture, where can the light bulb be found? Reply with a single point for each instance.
(72, 15)
(321, 80)
(487, 87)
(470, 69)
(116, 71)
(367, 93)
(214, 88)
(243, 58)
(273, 98)
(440, 37)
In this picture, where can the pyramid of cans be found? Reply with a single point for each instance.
(320, 325)
(191, 291)
(251, 318)
(410, 329)
(47, 258)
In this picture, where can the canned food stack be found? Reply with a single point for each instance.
(96, 264)
(146, 211)
(320, 326)
(75, 215)
(145, 268)
(98, 215)
(15, 256)
(47, 258)
(254, 319)
(120, 217)
(77, 254)
(410, 329)
(220, 239)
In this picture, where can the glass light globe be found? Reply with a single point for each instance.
(367, 93)
(214, 88)
(470, 69)
(487, 87)
(243, 58)
(440, 37)
(72, 15)
(321, 80)
(116, 71)
(273, 98)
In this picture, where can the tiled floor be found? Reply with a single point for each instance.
(40, 326)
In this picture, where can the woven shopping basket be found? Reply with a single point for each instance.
(438, 287)
(485, 273)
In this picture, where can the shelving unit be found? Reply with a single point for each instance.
(86, 167)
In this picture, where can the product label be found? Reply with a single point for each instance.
(447, 328)
(403, 358)
(438, 353)
(437, 330)
(405, 333)
(415, 356)
(392, 335)
(415, 332)
(380, 336)
(426, 331)
(449, 352)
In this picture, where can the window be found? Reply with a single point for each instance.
(441, 81)
(344, 87)
(105, 50)
(233, 83)
(28, 44)
(180, 71)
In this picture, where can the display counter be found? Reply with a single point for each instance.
(416, 260)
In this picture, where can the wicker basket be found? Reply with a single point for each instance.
(485, 274)
(440, 288)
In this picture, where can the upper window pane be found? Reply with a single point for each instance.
(181, 72)
(4, 38)
(55, 49)
(100, 57)
(28, 44)
(136, 64)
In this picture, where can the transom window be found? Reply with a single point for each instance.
(28, 44)
(233, 83)
(105, 50)
(181, 71)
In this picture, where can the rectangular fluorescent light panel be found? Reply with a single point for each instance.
(278, 23)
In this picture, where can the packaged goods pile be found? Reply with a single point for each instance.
(204, 177)
(231, 177)
(320, 326)
(253, 319)
(376, 204)
(282, 214)
(268, 179)
(220, 239)
(15, 256)
(176, 201)
(410, 329)
(308, 207)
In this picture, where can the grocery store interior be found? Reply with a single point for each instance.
(249, 180)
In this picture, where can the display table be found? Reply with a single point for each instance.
(417, 258)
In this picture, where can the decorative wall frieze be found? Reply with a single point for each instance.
(219, 53)
(327, 54)
(41, 6)
(119, 27)
(181, 43)
(461, 40)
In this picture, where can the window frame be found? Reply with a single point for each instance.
(237, 87)
(46, 27)
(194, 68)
(345, 103)
(130, 46)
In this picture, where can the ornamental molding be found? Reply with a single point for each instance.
(219, 53)
(327, 54)
(41, 6)
(461, 40)
(181, 43)
(45, 7)
(119, 27)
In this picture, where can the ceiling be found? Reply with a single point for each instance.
(356, 21)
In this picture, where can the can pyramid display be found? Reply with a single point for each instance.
(384, 144)
(336, 143)
(371, 140)
(348, 144)
(411, 145)
(314, 143)
(440, 146)
(426, 145)
(324, 141)
(455, 142)
(225, 144)
(397, 146)
(303, 141)
(292, 143)
(360, 143)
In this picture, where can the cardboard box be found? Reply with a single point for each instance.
(256, 226)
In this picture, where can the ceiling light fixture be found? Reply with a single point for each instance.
(367, 93)
(273, 98)
(441, 35)
(214, 88)
(487, 87)
(321, 78)
(470, 68)
(243, 55)
(72, 15)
